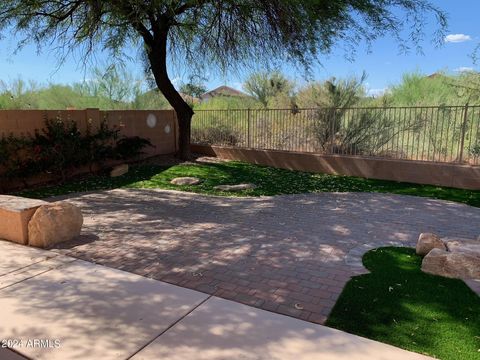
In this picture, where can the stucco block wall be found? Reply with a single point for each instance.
(419, 172)
(131, 123)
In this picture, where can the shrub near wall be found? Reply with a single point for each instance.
(60, 148)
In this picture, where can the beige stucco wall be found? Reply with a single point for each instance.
(134, 123)
(453, 175)
(131, 122)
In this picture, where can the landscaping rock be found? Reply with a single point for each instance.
(460, 258)
(54, 223)
(15, 213)
(427, 242)
(472, 246)
(461, 264)
(238, 187)
(119, 170)
(185, 181)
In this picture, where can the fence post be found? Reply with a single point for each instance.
(248, 128)
(332, 130)
(464, 130)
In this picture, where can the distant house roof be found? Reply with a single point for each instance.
(222, 91)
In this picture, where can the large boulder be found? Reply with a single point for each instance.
(459, 264)
(54, 223)
(428, 241)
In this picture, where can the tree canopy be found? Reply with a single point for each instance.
(221, 34)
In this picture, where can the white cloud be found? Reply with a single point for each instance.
(463, 69)
(457, 38)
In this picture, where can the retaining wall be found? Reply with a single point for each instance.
(419, 172)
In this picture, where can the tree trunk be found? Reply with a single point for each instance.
(157, 56)
(184, 126)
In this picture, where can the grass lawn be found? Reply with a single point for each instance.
(400, 305)
(270, 181)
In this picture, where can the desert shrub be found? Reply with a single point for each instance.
(360, 131)
(130, 147)
(60, 147)
(475, 152)
(367, 132)
(220, 135)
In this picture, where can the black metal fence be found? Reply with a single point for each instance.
(440, 134)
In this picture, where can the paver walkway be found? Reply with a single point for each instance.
(288, 254)
(58, 307)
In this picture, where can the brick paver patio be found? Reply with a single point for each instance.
(289, 254)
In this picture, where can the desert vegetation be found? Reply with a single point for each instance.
(424, 117)
(107, 88)
(434, 118)
(60, 148)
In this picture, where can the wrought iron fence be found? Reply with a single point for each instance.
(440, 134)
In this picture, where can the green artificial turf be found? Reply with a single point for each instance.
(400, 305)
(270, 181)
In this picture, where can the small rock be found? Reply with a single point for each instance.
(119, 170)
(462, 265)
(185, 181)
(238, 187)
(427, 242)
(54, 223)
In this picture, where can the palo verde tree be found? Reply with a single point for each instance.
(220, 34)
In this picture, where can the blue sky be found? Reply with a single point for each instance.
(383, 65)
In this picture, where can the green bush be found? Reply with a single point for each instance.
(60, 147)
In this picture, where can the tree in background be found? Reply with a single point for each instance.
(438, 89)
(467, 87)
(417, 89)
(333, 93)
(220, 34)
(113, 83)
(332, 98)
(194, 87)
(18, 94)
(266, 85)
(104, 89)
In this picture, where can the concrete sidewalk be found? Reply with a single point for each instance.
(57, 307)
